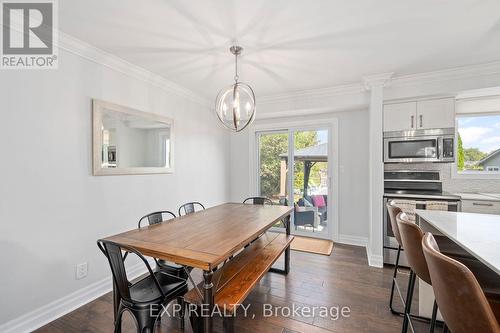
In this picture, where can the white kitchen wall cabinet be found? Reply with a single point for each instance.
(400, 116)
(419, 115)
(436, 113)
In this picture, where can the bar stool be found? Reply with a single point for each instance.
(393, 211)
(411, 237)
(447, 246)
(463, 305)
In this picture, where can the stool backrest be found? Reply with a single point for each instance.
(411, 236)
(461, 301)
(393, 212)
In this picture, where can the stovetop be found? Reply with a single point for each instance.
(398, 193)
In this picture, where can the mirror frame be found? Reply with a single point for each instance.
(98, 107)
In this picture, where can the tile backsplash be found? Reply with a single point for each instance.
(453, 185)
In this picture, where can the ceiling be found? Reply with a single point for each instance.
(290, 45)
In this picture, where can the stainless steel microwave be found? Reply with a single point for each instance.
(434, 145)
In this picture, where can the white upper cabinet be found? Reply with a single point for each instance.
(400, 116)
(436, 113)
(419, 115)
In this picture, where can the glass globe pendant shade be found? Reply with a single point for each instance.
(235, 106)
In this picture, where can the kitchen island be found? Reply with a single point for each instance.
(478, 234)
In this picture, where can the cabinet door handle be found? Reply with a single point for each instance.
(412, 121)
(482, 204)
(421, 121)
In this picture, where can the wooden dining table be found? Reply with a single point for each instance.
(207, 238)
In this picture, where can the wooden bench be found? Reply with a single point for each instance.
(236, 279)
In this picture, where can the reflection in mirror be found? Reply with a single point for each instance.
(131, 141)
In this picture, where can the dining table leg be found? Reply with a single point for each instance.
(208, 301)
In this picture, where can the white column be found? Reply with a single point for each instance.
(375, 84)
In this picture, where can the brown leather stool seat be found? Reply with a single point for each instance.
(412, 236)
(488, 280)
(462, 303)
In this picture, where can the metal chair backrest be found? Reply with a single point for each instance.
(189, 207)
(157, 217)
(259, 201)
(461, 301)
(113, 251)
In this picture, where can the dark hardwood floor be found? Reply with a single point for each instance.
(343, 279)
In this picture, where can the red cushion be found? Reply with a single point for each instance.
(318, 201)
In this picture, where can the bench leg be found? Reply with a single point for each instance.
(228, 324)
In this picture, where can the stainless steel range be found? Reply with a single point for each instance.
(417, 189)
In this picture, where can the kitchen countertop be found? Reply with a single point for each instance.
(479, 196)
(478, 234)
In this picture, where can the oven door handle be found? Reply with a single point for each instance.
(439, 148)
(422, 202)
(450, 203)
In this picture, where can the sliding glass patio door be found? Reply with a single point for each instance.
(273, 166)
(293, 170)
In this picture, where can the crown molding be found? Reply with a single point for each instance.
(455, 73)
(377, 80)
(449, 74)
(346, 89)
(92, 53)
(101, 57)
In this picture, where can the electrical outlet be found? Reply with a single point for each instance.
(81, 270)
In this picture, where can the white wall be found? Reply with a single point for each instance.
(52, 210)
(353, 169)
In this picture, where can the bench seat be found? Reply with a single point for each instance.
(234, 281)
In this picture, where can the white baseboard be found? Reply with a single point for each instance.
(374, 260)
(58, 308)
(353, 240)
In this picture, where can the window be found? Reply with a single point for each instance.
(478, 144)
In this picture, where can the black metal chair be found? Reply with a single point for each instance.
(189, 207)
(146, 298)
(170, 268)
(258, 201)
(156, 217)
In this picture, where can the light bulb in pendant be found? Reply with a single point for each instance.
(248, 107)
(224, 109)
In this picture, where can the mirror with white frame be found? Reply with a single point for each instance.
(128, 141)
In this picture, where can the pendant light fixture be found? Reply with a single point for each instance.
(235, 104)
